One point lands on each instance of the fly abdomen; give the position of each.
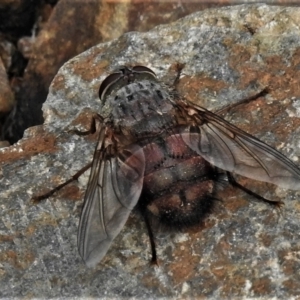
(184, 204)
(178, 184)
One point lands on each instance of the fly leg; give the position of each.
(151, 238)
(223, 111)
(234, 183)
(95, 122)
(38, 198)
(94, 127)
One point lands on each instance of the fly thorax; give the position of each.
(141, 107)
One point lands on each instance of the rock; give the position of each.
(25, 46)
(245, 56)
(71, 29)
(7, 50)
(6, 96)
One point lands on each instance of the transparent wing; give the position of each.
(113, 190)
(233, 150)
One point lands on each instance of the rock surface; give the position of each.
(6, 95)
(245, 56)
(70, 28)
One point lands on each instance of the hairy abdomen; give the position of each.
(178, 184)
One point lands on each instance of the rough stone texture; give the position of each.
(6, 95)
(73, 27)
(244, 56)
(7, 50)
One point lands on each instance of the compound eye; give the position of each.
(108, 82)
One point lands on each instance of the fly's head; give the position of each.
(134, 99)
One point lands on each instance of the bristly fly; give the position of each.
(164, 155)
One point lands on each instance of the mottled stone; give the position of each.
(72, 28)
(7, 99)
(244, 56)
(7, 50)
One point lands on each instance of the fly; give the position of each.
(158, 152)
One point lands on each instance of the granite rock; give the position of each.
(70, 28)
(243, 60)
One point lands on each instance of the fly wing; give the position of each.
(231, 149)
(114, 188)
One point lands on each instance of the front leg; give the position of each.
(95, 128)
